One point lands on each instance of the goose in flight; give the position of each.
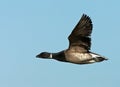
(78, 51)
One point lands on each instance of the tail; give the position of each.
(98, 58)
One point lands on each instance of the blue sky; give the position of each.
(28, 27)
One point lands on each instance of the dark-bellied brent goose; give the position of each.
(78, 51)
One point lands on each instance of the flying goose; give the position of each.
(78, 51)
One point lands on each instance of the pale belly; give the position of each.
(84, 58)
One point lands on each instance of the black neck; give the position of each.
(60, 56)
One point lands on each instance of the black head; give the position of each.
(43, 55)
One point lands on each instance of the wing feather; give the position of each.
(80, 36)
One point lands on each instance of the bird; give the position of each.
(78, 51)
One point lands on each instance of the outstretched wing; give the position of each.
(80, 36)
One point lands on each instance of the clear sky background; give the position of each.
(28, 27)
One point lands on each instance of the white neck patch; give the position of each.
(50, 55)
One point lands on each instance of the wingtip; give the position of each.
(85, 15)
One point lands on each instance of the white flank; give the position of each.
(92, 61)
(94, 55)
